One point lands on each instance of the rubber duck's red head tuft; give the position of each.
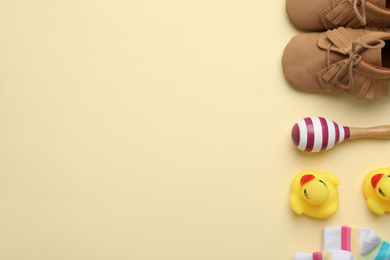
(375, 179)
(306, 178)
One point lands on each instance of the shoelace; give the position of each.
(353, 60)
(361, 15)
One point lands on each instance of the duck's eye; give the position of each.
(388, 175)
(323, 183)
(307, 196)
(381, 192)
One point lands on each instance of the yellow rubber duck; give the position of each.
(314, 193)
(376, 188)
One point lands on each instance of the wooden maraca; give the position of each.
(315, 134)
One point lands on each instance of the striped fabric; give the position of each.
(327, 255)
(314, 134)
(317, 256)
(363, 243)
(384, 252)
(346, 238)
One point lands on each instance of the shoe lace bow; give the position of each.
(353, 60)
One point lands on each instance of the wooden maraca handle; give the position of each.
(380, 132)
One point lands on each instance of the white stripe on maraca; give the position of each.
(302, 134)
(331, 134)
(317, 134)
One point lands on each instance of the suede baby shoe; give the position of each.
(319, 15)
(340, 60)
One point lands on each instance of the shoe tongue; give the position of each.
(381, 3)
(373, 56)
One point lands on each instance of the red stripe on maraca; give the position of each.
(310, 134)
(347, 133)
(325, 133)
(295, 134)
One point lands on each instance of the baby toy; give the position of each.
(376, 188)
(315, 194)
(315, 134)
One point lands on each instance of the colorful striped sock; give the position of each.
(329, 255)
(364, 243)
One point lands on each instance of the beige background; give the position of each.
(161, 130)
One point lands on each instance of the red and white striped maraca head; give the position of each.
(315, 134)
